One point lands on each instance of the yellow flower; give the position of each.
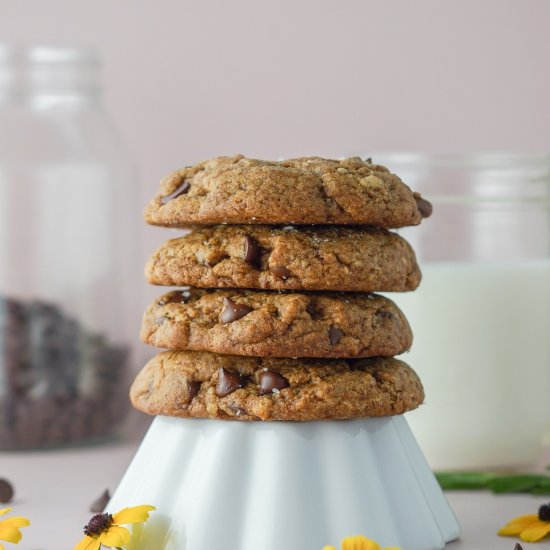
(360, 542)
(529, 528)
(106, 528)
(9, 528)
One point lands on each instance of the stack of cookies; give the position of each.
(279, 320)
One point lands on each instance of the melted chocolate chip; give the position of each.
(423, 205)
(334, 335)
(271, 381)
(228, 382)
(6, 491)
(101, 502)
(233, 311)
(175, 298)
(193, 389)
(252, 251)
(182, 189)
(280, 272)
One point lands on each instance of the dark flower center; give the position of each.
(544, 512)
(98, 524)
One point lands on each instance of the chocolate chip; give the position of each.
(271, 381)
(334, 335)
(193, 389)
(233, 311)
(101, 502)
(181, 189)
(280, 272)
(175, 298)
(228, 382)
(311, 308)
(423, 205)
(385, 314)
(6, 491)
(368, 160)
(518, 546)
(252, 251)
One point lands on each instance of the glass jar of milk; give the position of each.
(481, 317)
(68, 219)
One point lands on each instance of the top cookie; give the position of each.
(301, 191)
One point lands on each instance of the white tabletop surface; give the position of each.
(55, 489)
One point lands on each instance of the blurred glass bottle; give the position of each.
(481, 316)
(67, 252)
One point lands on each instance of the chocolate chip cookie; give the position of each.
(309, 190)
(277, 324)
(288, 258)
(206, 385)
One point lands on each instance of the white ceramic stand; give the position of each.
(227, 485)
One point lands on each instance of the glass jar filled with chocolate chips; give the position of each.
(67, 239)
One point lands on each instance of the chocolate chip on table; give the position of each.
(228, 382)
(101, 502)
(233, 311)
(6, 491)
(280, 272)
(424, 206)
(518, 546)
(271, 381)
(181, 189)
(334, 335)
(252, 251)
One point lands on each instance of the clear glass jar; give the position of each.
(67, 252)
(481, 317)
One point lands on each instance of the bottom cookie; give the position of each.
(207, 385)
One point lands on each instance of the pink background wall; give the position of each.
(189, 80)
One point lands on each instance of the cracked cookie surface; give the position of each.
(277, 324)
(290, 258)
(206, 385)
(308, 190)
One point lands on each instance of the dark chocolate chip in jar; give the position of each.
(181, 189)
(228, 382)
(334, 335)
(252, 251)
(6, 491)
(271, 381)
(193, 389)
(280, 272)
(233, 311)
(425, 207)
(101, 502)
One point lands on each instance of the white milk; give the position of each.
(482, 350)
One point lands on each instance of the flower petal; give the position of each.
(115, 536)
(135, 514)
(15, 521)
(4, 511)
(535, 531)
(329, 548)
(359, 542)
(10, 534)
(1, 547)
(88, 543)
(517, 525)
